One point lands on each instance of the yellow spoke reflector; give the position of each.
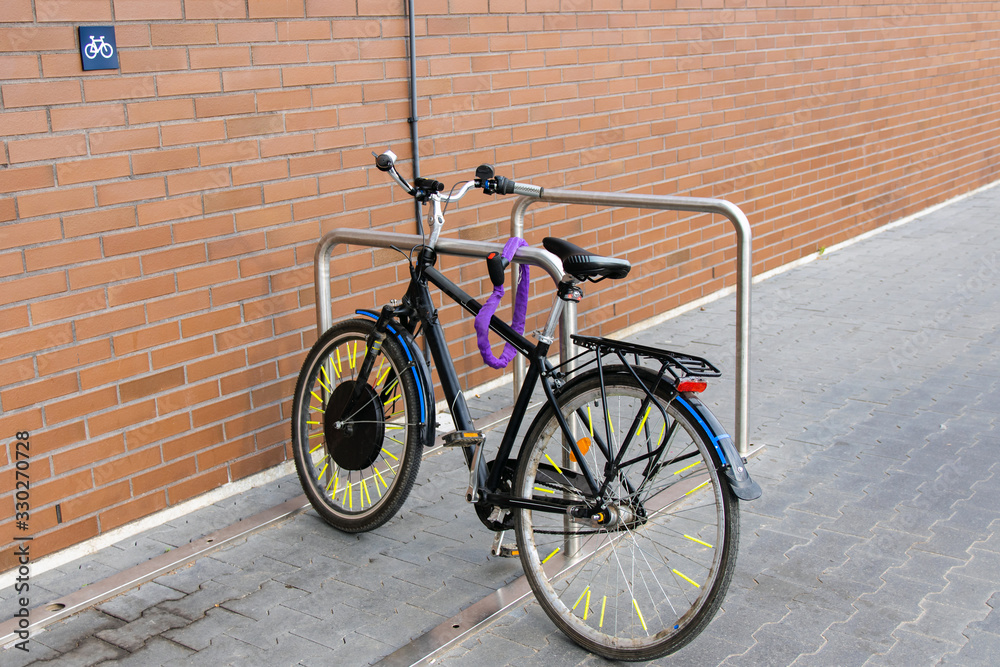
(336, 482)
(333, 477)
(394, 427)
(391, 399)
(586, 605)
(550, 556)
(538, 488)
(338, 367)
(316, 408)
(696, 463)
(603, 602)
(663, 429)
(316, 423)
(641, 619)
(322, 472)
(323, 371)
(585, 591)
(383, 376)
(354, 354)
(316, 435)
(367, 495)
(316, 397)
(696, 488)
(394, 457)
(695, 539)
(379, 475)
(313, 450)
(394, 440)
(553, 464)
(690, 581)
(590, 421)
(322, 384)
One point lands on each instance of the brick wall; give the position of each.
(157, 224)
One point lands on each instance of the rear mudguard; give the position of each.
(732, 465)
(421, 373)
(727, 460)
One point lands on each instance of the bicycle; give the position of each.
(623, 494)
(97, 46)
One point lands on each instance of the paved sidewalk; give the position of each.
(876, 390)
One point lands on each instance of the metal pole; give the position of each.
(744, 268)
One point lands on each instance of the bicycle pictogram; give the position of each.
(98, 45)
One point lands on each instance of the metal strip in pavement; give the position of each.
(423, 649)
(140, 574)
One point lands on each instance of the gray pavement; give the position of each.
(876, 392)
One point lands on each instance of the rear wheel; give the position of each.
(356, 456)
(646, 569)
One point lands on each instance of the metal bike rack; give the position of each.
(744, 277)
(553, 266)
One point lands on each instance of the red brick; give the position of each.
(124, 140)
(241, 33)
(174, 208)
(81, 354)
(92, 169)
(193, 133)
(165, 475)
(79, 405)
(177, 306)
(144, 10)
(18, 67)
(106, 272)
(136, 189)
(47, 148)
(225, 105)
(79, 303)
(225, 453)
(88, 117)
(140, 290)
(257, 463)
(17, 371)
(106, 90)
(100, 221)
(39, 392)
(23, 234)
(165, 160)
(38, 94)
(136, 240)
(182, 352)
(114, 371)
(37, 38)
(116, 420)
(188, 83)
(32, 287)
(197, 485)
(170, 34)
(159, 111)
(186, 397)
(145, 338)
(24, 122)
(59, 201)
(218, 9)
(172, 259)
(194, 181)
(85, 454)
(133, 510)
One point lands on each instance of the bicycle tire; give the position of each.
(646, 587)
(373, 454)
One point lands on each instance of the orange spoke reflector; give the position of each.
(584, 445)
(692, 385)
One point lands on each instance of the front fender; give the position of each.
(421, 374)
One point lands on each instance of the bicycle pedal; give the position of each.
(464, 439)
(508, 552)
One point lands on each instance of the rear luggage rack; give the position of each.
(687, 364)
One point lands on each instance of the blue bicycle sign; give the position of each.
(98, 49)
(98, 46)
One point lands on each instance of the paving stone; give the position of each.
(91, 651)
(157, 651)
(132, 636)
(912, 649)
(130, 605)
(36, 654)
(226, 650)
(983, 648)
(190, 578)
(210, 595)
(65, 635)
(199, 635)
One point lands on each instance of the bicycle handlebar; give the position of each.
(427, 189)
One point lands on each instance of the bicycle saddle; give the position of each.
(584, 265)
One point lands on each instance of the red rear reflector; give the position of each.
(692, 385)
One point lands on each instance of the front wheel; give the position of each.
(646, 569)
(356, 440)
